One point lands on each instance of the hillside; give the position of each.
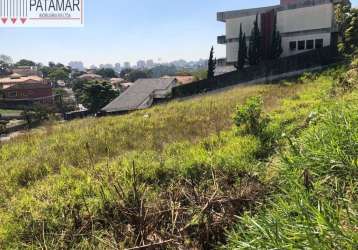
(183, 175)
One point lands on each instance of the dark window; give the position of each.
(12, 94)
(301, 45)
(293, 45)
(319, 43)
(309, 44)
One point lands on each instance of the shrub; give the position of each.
(348, 81)
(36, 114)
(249, 116)
(251, 119)
(307, 77)
(321, 215)
(2, 126)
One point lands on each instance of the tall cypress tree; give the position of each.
(276, 43)
(255, 51)
(242, 51)
(244, 48)
(211, 65)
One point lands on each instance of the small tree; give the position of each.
(25, 62)
(250, 117)
(211, 65)
(58, 74)
(36, 114)
(255, 51)
(106, 73)
(242, 51)
(95, 95)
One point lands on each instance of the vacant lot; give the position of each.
(178, 174)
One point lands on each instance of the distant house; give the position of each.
(120, 84)
(26, 71)
(185, 79)
(90, 77)
(32, 88)
(126, 85)
(61, 83)
(142, 94)
(116, 82)
(182, 79)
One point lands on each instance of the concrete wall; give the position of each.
(232, 34)
(233, 26)
(294, 24)
(309, 18)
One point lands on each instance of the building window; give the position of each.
(309, 44)
(293, 45)
(319, 43)
(301, 45)
(12, 94)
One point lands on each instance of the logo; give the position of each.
(42, 13)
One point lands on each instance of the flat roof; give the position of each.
(225, 15)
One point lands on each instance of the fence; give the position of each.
(76, 114)
(313, 58)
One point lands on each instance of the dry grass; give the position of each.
(59, 185)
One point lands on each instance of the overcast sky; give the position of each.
(129, 30)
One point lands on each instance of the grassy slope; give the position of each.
(10, 112)
(315, 205)
(56, 182)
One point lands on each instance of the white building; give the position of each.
(303, 24)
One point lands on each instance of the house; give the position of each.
(141, 95)
(126, 85)
(116, 82)
(182, 79)
(303, 24)
(90, 77)
(26, 71)
(31, 88)
(185, 79)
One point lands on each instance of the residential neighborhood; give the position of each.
(132, 125)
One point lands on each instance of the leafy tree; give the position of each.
(163, 70)
(106, 73)
(200, 74)
(349, 44)
(137, 74)
(211, 65)
(276, 43)
(4, 68)
(342, 12)
(52, 64)
(25, 62)
(45, 71)
(6, 59)
(255, 51)
(60, 65)
(95, 95)
(124, 72)
(36, 113)
(58, 74)
(242, 52)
